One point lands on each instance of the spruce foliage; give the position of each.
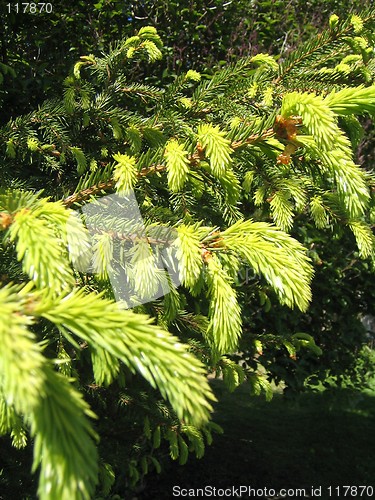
(226, 165)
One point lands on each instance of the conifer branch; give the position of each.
(193, 159)
(106, 186)
(323, 41)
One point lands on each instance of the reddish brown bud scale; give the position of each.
(5, 220)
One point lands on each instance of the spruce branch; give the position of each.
(140, 345)
(274, 254)
(193, 160)
(53, 410)
(329, 143)
(329, 41)
(225, 323)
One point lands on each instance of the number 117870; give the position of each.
(30, 8)
(351, 491)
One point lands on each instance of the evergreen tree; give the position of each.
(127, 214)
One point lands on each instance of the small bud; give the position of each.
(357, 23)
(185, 102)
(343, 68)
(268, 96)
(193, 75)
(130, 52)
(235, 122)
(333, 21)
(10, 151)
(32, 144)
(360, 42)
(252, 91)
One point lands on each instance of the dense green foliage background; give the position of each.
(42, 48)
(38, 52)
